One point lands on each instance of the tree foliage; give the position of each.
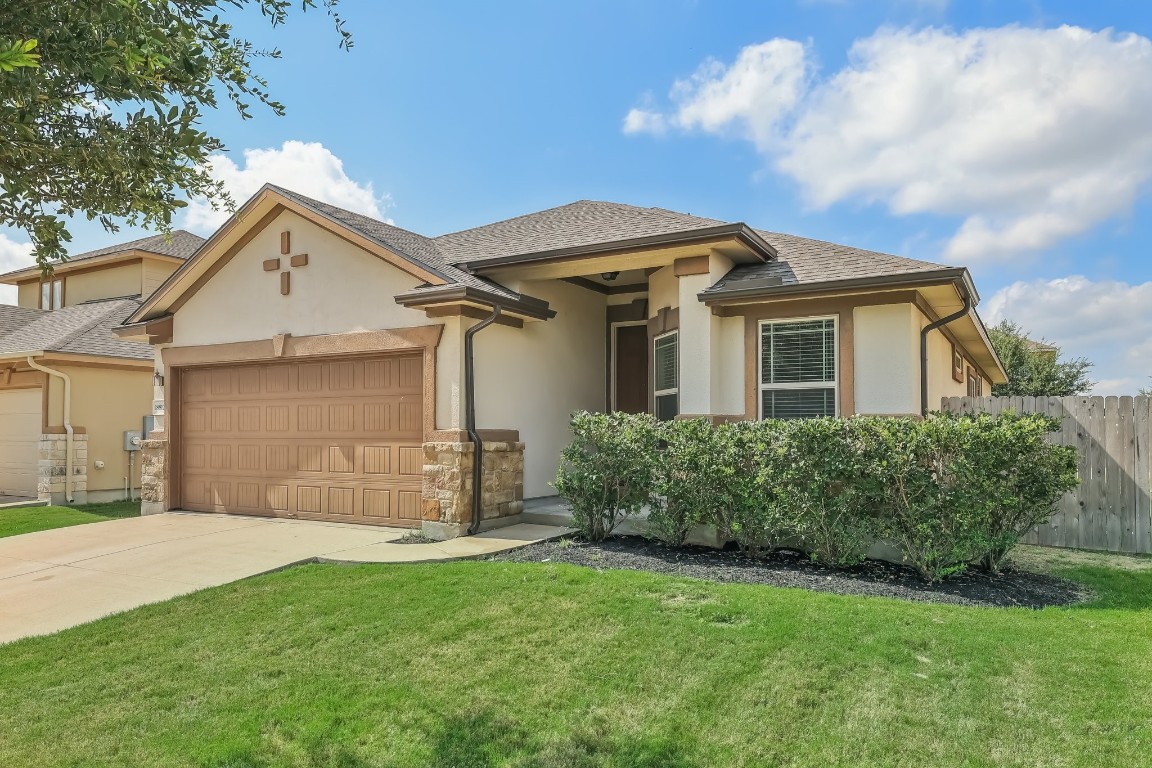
(1035, 369)
(101, 104)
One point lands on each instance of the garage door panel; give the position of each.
(20, 428)
(338, 440)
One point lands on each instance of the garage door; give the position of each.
(333, 440)
(20, 427)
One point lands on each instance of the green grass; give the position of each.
(498, 664)
(30, 519)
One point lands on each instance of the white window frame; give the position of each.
(656, 393)
(835, 384)
(615, 327)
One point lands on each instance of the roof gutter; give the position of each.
(470, 417)
(741, 232)
(69, 453)
(924, 347)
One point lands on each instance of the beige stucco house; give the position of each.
(69, 389)
(316, 364)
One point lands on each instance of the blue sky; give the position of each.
(1011, 137)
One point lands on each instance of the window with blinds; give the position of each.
(666, 376)
(798, 368)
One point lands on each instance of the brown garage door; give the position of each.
(333, 440)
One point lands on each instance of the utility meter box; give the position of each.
(132, 439)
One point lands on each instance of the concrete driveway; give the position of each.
(56, 579)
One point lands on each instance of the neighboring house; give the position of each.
(62, 369)
(315, 360)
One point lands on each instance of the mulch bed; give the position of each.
(788, 568)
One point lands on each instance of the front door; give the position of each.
(631, 367)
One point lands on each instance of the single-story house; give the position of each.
(69, 389)
(317, 362)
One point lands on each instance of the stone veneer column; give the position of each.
(52, 468)
(447, 488)
(153, 476)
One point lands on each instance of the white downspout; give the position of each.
(67, 423)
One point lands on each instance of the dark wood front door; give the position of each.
(631, 368)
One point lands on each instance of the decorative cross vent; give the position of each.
(299, 260)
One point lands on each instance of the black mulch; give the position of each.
(788, 568)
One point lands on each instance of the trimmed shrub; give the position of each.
(927, 510)
(608, 471)
(692, 480)
(1016, 473)
(757, 455)
(948, 490)
(825, 484)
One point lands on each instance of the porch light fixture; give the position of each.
(157, 379)
(609, 276)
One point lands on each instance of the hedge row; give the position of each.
(950, 491)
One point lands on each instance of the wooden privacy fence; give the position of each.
(1110, 510)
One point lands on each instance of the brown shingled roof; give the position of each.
(583, 223)
(81, 329)
(803, 260)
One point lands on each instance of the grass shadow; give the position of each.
(1113, 588)
(484, 739)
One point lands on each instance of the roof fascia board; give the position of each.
(275, 202)
(741, 232)
(525, 305)
(30, 274)
(908, 279)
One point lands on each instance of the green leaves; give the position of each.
(949, 490)
(1034, 368)
(100, 109)
(18, 54)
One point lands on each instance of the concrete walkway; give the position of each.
(56, 579)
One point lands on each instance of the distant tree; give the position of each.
(1145, 391)
(101, 104)
(1035, 368)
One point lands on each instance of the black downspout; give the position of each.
(470, 416)
(924, 349)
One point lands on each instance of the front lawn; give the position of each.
(509, 664)
(14, 521)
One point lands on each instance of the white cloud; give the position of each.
(13, 255)
(1107, 321)
(750, 97)
(308, 168)
(1029, 136)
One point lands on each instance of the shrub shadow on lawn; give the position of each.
(788, 568)
(485, 739)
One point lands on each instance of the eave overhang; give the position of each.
(527, 307)
(742, 233)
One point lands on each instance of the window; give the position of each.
(798, 368)
(666, 376)
(957, 364)
(52, 294)
(975, 383)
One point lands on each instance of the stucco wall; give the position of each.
(940, 381)
(123, 280)
(154, 273)
(728, 375)
(532, 378)
(106, 402)
(663, 290)
(28, 295)
(885, 349)
(341, 289)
